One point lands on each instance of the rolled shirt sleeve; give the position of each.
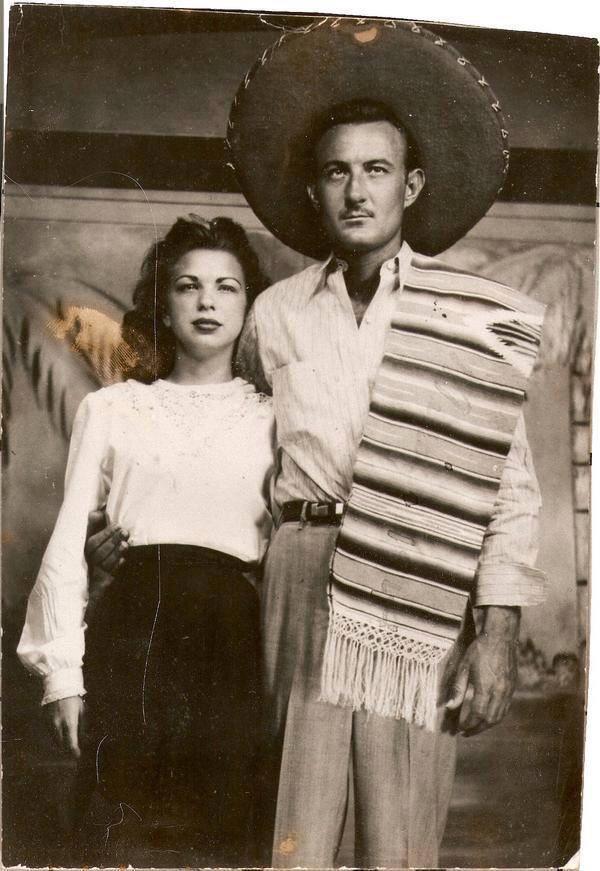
(506, 573)
(52, 641)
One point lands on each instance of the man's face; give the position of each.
(362, 187)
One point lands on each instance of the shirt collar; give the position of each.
(398, 263)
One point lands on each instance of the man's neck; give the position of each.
(362, 274)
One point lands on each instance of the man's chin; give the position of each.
(355, 242)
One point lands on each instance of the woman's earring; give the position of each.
(166, 320)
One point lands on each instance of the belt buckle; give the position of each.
(319, 511)
(325, 512)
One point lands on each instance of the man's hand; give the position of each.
(105, 548)
(487, 673)
(66, 716)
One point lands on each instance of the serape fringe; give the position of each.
(394, 679)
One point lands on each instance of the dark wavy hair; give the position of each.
(143, 329)
(360, 111)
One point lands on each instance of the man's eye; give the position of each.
(334, 172)
(377, 170)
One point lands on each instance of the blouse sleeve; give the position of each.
(52, 641)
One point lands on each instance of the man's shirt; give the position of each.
(301, 343)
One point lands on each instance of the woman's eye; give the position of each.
(181, 288)
(229, 288)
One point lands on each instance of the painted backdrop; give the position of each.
(71, 258)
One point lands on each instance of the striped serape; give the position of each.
(443, 411)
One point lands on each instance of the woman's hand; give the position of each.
(66, 716)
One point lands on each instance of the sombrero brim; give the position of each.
(447, 105)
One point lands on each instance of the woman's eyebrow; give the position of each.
(220, 278)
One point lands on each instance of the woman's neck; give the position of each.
(215, 370)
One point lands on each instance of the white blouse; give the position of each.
(174, 464)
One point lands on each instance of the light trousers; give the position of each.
(403, 774)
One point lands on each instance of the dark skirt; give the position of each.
(172, 703)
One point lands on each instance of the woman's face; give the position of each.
(206, 303)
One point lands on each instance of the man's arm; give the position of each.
(105, 548)
(486, 676)
(507, 579)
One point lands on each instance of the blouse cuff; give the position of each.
(63, 683)
(509, 584)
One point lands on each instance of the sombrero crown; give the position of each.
(435, 92)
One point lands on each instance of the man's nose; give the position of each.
(355, 192)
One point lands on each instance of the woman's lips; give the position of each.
(206, 325)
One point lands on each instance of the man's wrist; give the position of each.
(500, 622)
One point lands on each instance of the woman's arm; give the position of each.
(52, 642)
(66, 716)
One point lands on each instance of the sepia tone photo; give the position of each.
(299, 316)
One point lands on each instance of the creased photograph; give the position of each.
(299, 317)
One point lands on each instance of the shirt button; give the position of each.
(390, 266)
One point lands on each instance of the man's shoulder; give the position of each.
(437, 274)
(290, 292)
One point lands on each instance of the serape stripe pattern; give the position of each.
(443, 411)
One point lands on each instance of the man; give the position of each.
(404, 467)
(393, 137)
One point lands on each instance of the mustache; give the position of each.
(356, 213)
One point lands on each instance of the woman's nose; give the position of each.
(205, 298)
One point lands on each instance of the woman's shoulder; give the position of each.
(118, 394)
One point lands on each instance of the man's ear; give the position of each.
(415, 182)
(311, 190)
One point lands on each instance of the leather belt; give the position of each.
(312, 512)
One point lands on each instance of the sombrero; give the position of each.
(446, 104)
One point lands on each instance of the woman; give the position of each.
(181, 453)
